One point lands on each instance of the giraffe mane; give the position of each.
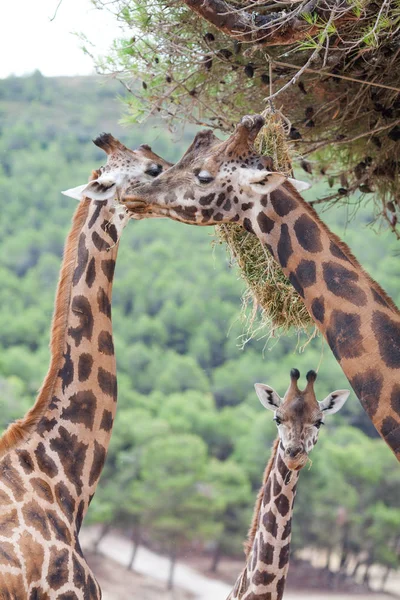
(248, 544)
(20, 430)
(343, 247)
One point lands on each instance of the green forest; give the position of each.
(185, 381)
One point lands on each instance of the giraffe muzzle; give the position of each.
(296, 458)
(136, 204)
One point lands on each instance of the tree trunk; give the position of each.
(105, 528)
(328, 558)
(385, 577)
(170, 584)
(354, 571)
(135, 546)
(366, 573)
(217, 554)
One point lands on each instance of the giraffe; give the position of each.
(228, 182)
(51, 459)
(298, 416)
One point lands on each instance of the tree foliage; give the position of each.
(190, 440)
(332, 68)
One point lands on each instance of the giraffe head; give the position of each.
(214, 182)
(299, 416)
(125, 168)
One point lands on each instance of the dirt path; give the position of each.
(148, 563)
(119, 584)
(152, 565)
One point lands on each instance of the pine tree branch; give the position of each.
(274, 29)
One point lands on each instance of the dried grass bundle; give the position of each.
(268, 289)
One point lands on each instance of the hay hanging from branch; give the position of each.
(280, 307)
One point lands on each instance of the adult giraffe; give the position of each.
(223, 182)
(299, 417)
(51, 460)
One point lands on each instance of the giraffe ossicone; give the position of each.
(51, 459)
(298, 416)
(229, 182)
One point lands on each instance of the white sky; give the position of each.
(29, 40)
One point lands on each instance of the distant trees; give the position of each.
(190, 441)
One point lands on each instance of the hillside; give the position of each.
(183, 380)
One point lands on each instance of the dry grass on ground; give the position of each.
(119, 584)
(304, 580)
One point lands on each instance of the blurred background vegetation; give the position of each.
(184, 381)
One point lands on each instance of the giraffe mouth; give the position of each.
(136, 205)
(297, 463)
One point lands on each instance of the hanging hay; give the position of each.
(268, 289)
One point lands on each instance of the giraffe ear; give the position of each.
(268, 396)
(334, 402)
(76, 193)
(261, 182)
(103, 188)
(300, 186)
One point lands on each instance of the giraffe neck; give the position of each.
(359, 321)
(67, 432)
(264, 575)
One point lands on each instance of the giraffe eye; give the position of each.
(319, 423)
(277, 420)
(154, 170)
(204, 177)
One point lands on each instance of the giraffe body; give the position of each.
(299, 417)
(51, 460)
(227, 182)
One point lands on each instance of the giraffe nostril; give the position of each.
(293, 452)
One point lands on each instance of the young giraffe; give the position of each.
(228, 182)
(51, 460)
(299, 417)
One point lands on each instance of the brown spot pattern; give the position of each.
(284, 249)
(10, 477)
(8, 522)
(104, 303)
(91, 273)
(343, 335)
(282, 203)
(72, 455)
(270, 524)
(44, 461)
(42, 488)
(105, 343)
(387, 332)
(106, 420)
(85, 364)
(30, 547)
(82, 309)
(108, 268)
(59, 528)
(65, 500)
(25, 460)
(395, 398)
(107, 382)
(308, 234)
(58, 568)
(368, 387)
(81, 409)
(342, 282)
(35, 517)
(99, 456)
